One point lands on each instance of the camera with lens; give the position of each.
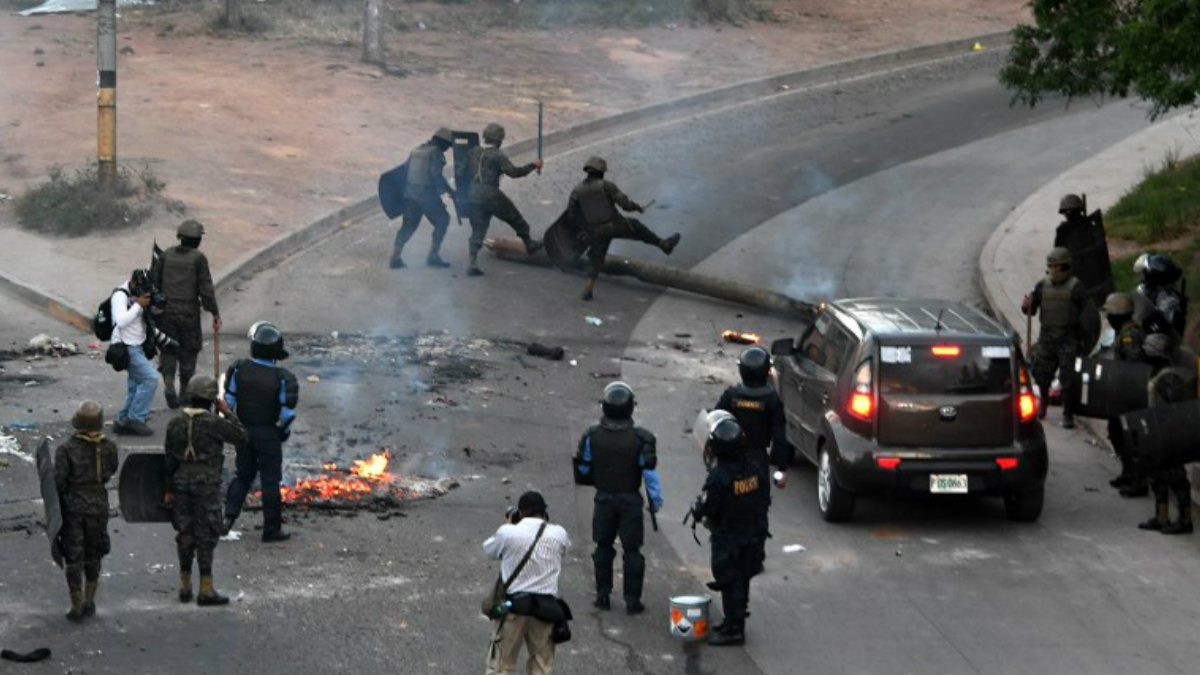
(142, 285)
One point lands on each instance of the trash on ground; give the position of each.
(11, 446)
(52, 346)
(594, 320)
(793, 548)
(546, 352)
(233, 535)
(313, 378)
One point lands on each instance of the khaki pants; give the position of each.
(506, 644)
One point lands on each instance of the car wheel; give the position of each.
(1025, 507)
(836, 504)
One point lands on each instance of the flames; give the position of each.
(740, 337)
(364, 479)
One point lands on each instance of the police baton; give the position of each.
(650, 508)
(217, 355)
(539, 142)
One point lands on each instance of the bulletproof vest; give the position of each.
(593, 201)
(420, 165)
(615, 451)
(179, 274)
(485, 165)
(1057, 309)
(751, 407)
(743, 504)
(1173, 384)
(257, 393)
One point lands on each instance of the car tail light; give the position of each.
(887, 462)
(947, 351)
(1026, 401)
(1007, 463)
(862, 400)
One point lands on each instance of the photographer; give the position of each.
(531, 553)
(131, 327)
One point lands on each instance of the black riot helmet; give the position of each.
(1157, 269)
(753, 365)
(266, 342)
(726, 439)
(618, 401)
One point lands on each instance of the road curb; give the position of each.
(47, 302)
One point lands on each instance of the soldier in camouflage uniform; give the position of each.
(593, 205)
(194, 453)
(486, 165)
(82, 467)
(1174, 381)
(1119, 308)
(182, 274)
(1061, 299)
(423, 191)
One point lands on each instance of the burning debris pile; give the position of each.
(740, 337)
(365, 485)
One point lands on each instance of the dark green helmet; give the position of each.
(444, 134)
(203, 387)
(88, 417)
(1059, 255)
(1070, 203)
(596, 164)
(493, 133)
(193, 229)
(1118, 304)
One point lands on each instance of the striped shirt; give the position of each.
(509, 545)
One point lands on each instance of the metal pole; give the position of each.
(539, 145)
(106, 99)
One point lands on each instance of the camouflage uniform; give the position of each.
(487, 164)
(82, 467)
(184, 277)
(1061, 335)
(194, 446)
(1172, 384)
(423, 190)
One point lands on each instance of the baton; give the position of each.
(650, 508)
(539, 146)
(217, 355)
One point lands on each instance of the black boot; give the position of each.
(89, 598)
(667, 245)
(602, 602)
(1068, 421)
(734, 633)
(532, 246)
(209, 597)
(1184, 524)
(434, 259)
(1160, 520)
(172, 399)
(396, 263)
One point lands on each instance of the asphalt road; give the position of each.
(882, 185)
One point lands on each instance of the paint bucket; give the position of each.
(689, 617)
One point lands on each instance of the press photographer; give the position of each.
(134, 343)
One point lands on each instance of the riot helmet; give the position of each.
(753, 365)
(1156, 269)
(1119, 309)
(202, 387)
(1070, 203)
(89, 416)
(1058, 263)
(266, 342)
(618, 401)
(493, 133)
(191, 229)
(726, 439)
(443, 138)
(596, 165)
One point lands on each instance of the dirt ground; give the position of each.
(258, 136)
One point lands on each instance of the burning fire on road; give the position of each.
(740, 337)
(366, 484)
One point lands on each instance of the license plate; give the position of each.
(948, 483)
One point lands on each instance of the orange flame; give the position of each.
(741, 337)
(365, 477)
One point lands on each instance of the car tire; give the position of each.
(835, 503)
(1025, 507)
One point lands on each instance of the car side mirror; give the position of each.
(783, 347)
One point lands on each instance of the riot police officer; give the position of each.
(593, 205)
(616, 457)
(263, 395)
(759, 411)
(731, 506)
(486, 165)
(1157, 293)
(1083, 236)
(1127, 346)
(1174, 381)
(423, 190)
(1061, 300)
(182, 275)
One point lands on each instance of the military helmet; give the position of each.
(1118, 303)
(596, 164)
(1059, 255)
(618, 401)
(726, 439)
(1070, 203)
(202, 386)
(1157, 269)
(1158, 346)
(89, 416)
(493, 133)
(753, 365)
(266, 342)
(444, 134)
(190, 228)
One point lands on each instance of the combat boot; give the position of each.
(89, 598)
(602, 602)
(396, 263)
(734, 633)
(532, 245)
(1161, 519)
(667, 245)
(1068, 421)
(1184, 524)
(434, 259)
(185, 586)
(172, 399)
(587, 288)
(473, 266)
(76, 612)
(209, 597)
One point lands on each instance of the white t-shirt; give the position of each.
(128, 326)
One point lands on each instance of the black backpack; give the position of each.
(102, 322)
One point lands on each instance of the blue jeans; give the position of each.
(142, 383)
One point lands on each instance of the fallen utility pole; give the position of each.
(106, 97)
(509, 248)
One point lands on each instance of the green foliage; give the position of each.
(252, 23)
(1099, 48)
(1164, 205)
(79, 203)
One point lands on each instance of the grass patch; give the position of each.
(75, 204)
(1164, 205)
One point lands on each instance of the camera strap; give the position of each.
(525, 558)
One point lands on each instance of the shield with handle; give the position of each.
(142, 487)
(563, 244)
(49, 489)
(391, 190)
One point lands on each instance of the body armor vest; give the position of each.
(179, 275)
(486, 165)
(257, 393)
(1057, 309)
(420, 162)
(615, 453)
(753, 413)
(744, 503)
(593, 201)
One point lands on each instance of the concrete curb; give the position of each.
(290, 244)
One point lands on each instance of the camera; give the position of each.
(142, 285)
(513, 515)
(161, 341)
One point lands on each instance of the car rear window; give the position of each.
(916, 369)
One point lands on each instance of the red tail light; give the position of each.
(1026, 401)
(862, 400)
(947, 351)
(887, 462)
(1007, 463)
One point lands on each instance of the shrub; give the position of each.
(79, 203)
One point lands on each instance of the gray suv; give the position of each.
(927, 396)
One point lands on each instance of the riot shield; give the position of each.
(391, 190)
(1090, 326)
(563, 245)
(464, 143)
(1105, 389)
(1089, 254)
(54, 518)
(1164, 436)
(142, 487)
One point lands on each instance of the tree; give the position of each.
(1100, 48)
(372, 41)
(233, 14)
